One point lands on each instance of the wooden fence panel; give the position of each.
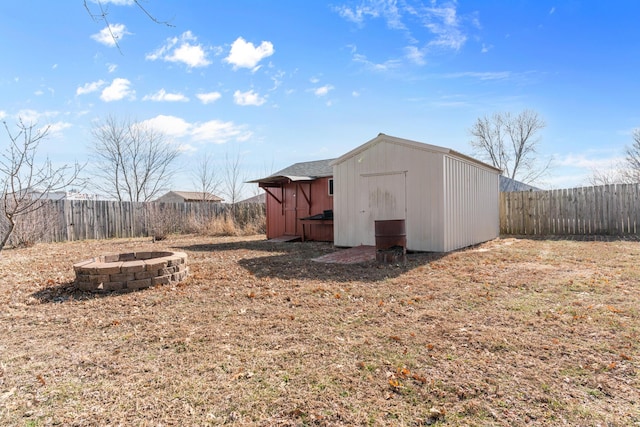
(89, 219)
(608, 209)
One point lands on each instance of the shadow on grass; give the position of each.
(294, 261)
(65, 292)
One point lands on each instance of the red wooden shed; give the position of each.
(300, 201)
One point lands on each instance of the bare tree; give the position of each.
(631, 174)
(626, 171)
(612, 175)
(510, 143)
(24, 183)
(133, 160)
(206, 178)
(233, 182)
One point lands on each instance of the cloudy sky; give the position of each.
(279, 82)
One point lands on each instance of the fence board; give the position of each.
(608, 209)
(90, 219)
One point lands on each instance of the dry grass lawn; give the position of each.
(511, 332)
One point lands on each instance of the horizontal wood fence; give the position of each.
(62, 220)
(601, 210)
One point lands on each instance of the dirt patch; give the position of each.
(511, 332)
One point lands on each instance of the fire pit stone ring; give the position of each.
(130, 271)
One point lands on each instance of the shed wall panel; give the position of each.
(378, 172)
(471, 199)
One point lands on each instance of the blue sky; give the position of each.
(279, 82)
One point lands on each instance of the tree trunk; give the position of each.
(5, 238)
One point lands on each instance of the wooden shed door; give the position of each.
(290, 217)
(383, 196)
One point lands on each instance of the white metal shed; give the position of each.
(447, 199)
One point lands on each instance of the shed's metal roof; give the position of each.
(303, 171)
(409, 143)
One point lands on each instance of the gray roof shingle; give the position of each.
(303, 171)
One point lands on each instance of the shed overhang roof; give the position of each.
(298, 172)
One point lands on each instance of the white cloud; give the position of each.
(170, 125)
(117, 90)
(415, 55)
(444, 24)
(111, 35)
(29, 116)
(219, 132)
(358, 14)
(3, 114)
(183, 49)
(90, 87)
(208, 98)
(112, 67)
(377, 67)
(248, 98)
(162, 95)
(244, 54)
(56, 128)
(323, 90)
(214, 131)
(445, 27)
(600, 162)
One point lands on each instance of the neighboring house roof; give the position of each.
(192, 196)
(409, 143)
(259, 198)
(303, 171)
(508, 185)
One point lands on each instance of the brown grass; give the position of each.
(511, 332)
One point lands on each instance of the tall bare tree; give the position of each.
(510, 142)
(134, 162)
(233, 182)
(206, 178)
(24, 184)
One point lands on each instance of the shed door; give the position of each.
(290, 216)
(383, 196)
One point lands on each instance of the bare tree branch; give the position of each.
(626, 171)
(23, 184)
(510, 143)
(232, 180)
(103, 13)
(134, 161)
(205, 177)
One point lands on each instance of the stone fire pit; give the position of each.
(130, 271)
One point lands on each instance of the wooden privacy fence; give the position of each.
(602, 210)
(89, 219)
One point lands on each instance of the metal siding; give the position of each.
(425, 211)
(471, 204)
